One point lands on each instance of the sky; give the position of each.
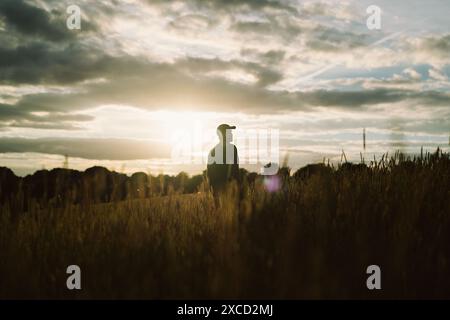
(143, 84)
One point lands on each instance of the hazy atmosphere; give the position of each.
(141, 77)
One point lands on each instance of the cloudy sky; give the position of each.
(142, 78)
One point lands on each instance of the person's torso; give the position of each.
(222, 163)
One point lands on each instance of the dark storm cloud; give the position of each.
(141, 83)
(234, 4)
(38, 48)
(269, 58)
(33, 21)
(157, 86)
(15, 116)
(197, 66)
(268, 77)
(433, 126)
(324, 38)
(417, 125)
(97, 149)
(255, 4)
(281, 29)
(254, 27)
(282, 24)
(9, 112)
(351, 99)
(191, 22)
(434, 98)
(38, 63)
(273, 56)
(45, 125)
(438, 45)
(277, 22)
(318, 38)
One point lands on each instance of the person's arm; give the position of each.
(209, 165)
(210, 158)
(235, 166)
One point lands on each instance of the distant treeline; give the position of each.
(97, 184)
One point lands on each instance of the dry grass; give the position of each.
(312, 239)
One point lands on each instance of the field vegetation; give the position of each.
(312, 237)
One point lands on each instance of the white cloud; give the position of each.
(437, 75)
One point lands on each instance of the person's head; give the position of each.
(224, 132)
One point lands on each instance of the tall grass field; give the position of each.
(310, 238)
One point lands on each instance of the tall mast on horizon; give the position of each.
(364, 139)
(66, 162)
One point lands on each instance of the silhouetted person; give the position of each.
(223, 161)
